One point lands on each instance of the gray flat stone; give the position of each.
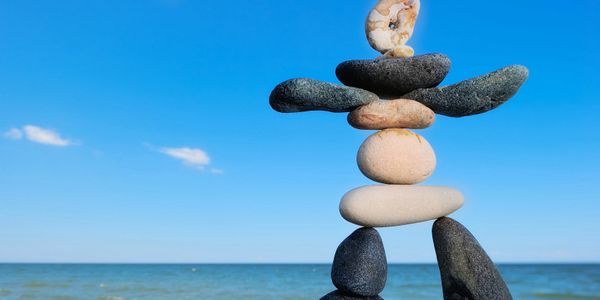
(467, 271)
(304, 94)
(360, 265)
(393, 77)
(473, 96)
(337, 295)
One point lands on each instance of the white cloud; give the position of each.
(192, 157)
(189, 156)
(38, 135)
(45, 136)
(14, 134)
(216, 171)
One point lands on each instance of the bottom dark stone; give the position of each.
(360, 266)
(337, 295)
(467, 271)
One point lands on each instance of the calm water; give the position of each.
(227, 282)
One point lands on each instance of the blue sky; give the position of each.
(102, 103)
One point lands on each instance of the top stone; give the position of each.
(304, 94)
(390, 25)
(391, 78)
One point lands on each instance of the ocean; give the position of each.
(277, 281)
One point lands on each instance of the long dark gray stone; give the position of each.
(473, 96)
(467, 271)
(360, 265)
(337, 295)
(304, 94)
(393, 77)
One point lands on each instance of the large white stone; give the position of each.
(396, 156)
(395, 205)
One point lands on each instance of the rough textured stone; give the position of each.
(467, 271)
(396, 156)
(383, 114)
(473, 96)
(393, 77)
(390, 25)
(337, 295)
(304, 94)
(360, 265)
(395, 205)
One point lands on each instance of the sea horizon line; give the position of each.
(282, 263)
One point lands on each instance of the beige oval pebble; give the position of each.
(396, 156)
(395, 205)
(400, 113)
(390, 25)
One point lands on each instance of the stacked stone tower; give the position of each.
(392, 94)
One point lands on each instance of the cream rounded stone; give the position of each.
(399, 113)
(396, 156)
(390, 25)
(395, 205)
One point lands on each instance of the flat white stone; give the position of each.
(395, 205)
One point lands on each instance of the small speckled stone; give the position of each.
(304, 94)
(467, 271)
(360, 265)
(337, 295)
(473, 96)
(391, 78)
(396, 205)
(396, 156)
(390, 25)
(383, 114)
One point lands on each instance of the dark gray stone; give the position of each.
(360, 265)
(473, 96)
(304, 94)
(467, 271)
(337, 295)
(393, 77)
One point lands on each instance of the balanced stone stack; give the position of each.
(393, 94)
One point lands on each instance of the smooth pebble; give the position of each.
(396, 156)
(383, 114)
